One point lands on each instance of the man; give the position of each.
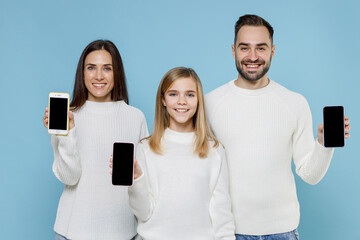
(263, 126)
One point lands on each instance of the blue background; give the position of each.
(317, 55)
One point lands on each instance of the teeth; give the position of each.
(98, 85)
(252, 66)
(181, 110)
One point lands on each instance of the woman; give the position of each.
(90, 207)
(181, 189)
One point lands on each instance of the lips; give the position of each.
(181, 110)
(99, 85)
(252, 65)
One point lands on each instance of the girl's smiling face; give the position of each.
(181, 102)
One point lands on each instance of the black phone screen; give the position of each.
(58, 113)
(334, 126)
(123, 164)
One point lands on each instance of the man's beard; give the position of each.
(257, 76)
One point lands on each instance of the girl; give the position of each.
(181, 189)
(90, 207)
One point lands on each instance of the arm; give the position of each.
(220, 204)
(141, 199)
(311, 158)
(67, 165)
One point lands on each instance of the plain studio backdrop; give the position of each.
(317, 54)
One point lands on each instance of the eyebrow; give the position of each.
(173, 90)
(92, 64)
(258, 44)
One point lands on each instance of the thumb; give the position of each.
(320, 128)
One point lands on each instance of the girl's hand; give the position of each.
(46, 119)
(137, 169)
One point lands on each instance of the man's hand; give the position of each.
(321, 131)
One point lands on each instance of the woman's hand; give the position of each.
(46, 119)
(137, 169)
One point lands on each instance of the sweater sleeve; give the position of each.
(67, 165)
(143, 128)
(311, 159)
(141, 199)
(220, 204)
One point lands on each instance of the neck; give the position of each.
(243, 83)
(182, 127)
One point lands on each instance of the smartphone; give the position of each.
(123, 163)
(334, 126)
(58, 113)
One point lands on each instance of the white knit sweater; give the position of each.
(181, 196)
(262, 130)
(90, 206)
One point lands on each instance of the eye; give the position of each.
(243, 48)
(90, 68)
(191, 95)
(107, 69)
(261, 49)
(172, 94)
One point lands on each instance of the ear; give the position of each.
(233, 50)
(272, 51)
(163, 102)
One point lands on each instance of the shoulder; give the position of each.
(132, 111)
(143, 146)
(291, 98)
(218, 93)
(218, 150)
(215, 98)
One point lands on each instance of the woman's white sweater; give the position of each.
(90, 206)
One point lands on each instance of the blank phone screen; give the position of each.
(58, 113)
(123, 164)
(334, 126)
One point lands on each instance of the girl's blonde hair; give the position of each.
(202, 130)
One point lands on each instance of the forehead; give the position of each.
(99, 56)
(183, 84)
(253, 35)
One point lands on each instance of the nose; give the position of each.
(99, 75)
(253, 55)
(182, 100)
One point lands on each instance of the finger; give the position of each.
(111, 160)
(347, 128)
(71, 115)
(110, 165)
(347, 135)
(320, 127)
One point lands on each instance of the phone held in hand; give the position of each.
(334, 126)
(123, 163)
(58, 113)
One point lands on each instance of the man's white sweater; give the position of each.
(91, 208)
(262, 130)
(181, 196)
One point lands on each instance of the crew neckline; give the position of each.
(253, 92)
(102, 107)
(180, 137)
